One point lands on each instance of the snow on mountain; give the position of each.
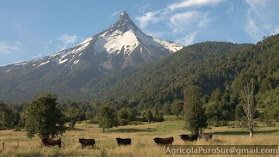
(75, 70)
(125, 35)
(120, 46)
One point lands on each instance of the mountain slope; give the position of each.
(122, 45)
(210, 65)
(168, 76)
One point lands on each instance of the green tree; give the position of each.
(132, 113)
(268, 84)
(126, 115)
(195, 118)
(8, 117)
(148, 116)
(216, 95)
(89, 114)
(43, 118)
(212, 113)
(73, 115)
(166, 109)
(177, 107)
(122, 116)
(239, 112)
(107, 117)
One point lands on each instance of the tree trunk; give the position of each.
(200, 130)
(103, 130)
(249, 105)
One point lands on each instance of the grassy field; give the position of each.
(17, 144)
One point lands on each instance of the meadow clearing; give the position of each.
(17, 144)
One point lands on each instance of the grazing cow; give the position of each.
(50, 142)
(87, 142)
(190, 137)
(163, 141)
(206, 136)
(123, 141)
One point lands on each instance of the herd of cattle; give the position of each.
(127, 141)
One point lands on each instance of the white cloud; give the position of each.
(253, 30)
(156, 34)
(8, 47)
(262, 18)
(261, 10)
(115, 13)
(188, 40)
(230, 9)
(18, 43)
(193, 3)
(180, 19)
(188, 21)
(67, 40)
(143, 6)
(149, 17)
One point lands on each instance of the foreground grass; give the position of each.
(17, 144)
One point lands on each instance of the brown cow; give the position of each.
(189, 137)
(123, 141)
(51, 142)
(163, 141)
(87, 142)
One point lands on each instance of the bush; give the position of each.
(124, 121)
(93, 121)
(17, 128)
(135, 123)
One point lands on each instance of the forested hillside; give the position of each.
(164, 80)
(220, 69)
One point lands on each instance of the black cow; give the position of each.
(205, 136)
(50, 142)
(87, 142)
(190, 137)
(163, 141)
(123, 141)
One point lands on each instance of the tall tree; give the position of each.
(107, 117)
(149, 116)
(247, 95)
(194, 115)
(43, 117)
(73, 115)
(177, 107)
(8, 117)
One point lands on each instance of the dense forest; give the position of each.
(150, 91)
(220, 69)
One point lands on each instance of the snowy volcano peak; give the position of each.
(124, 18)
(122, 45)
(123, 25)
(123, 37)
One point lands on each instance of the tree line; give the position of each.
(44, 118)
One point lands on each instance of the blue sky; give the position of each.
(32, 29)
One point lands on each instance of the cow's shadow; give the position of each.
(245, 132)
(130, 130)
